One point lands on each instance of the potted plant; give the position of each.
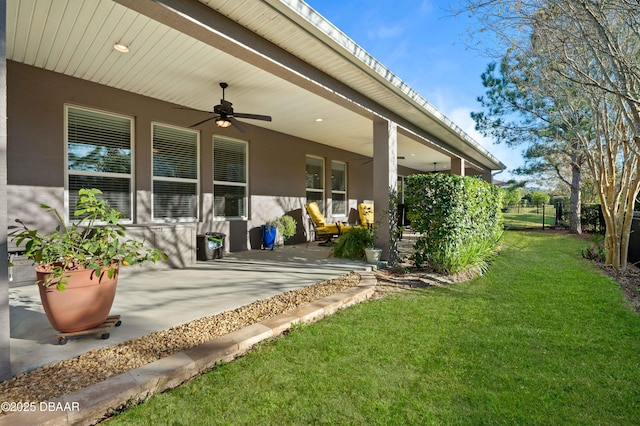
(284, 225)
(269, 232)
(372, 255)
(287, 227)
(355, 243)
(77, 265)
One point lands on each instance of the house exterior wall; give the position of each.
(5, 327)
(35, 162)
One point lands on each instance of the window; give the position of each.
(315, 180)
(229, 178)
(175, 173)
(99, 155)
(338, 188)
(400, 189)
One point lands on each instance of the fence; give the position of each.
(530, 216)
(547, 216)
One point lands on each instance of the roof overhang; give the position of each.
(280, 58)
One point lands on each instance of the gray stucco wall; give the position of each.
(5, 327)
(35, 158)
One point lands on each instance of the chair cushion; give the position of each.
(331, 229)
(365, 211)
(316, 215)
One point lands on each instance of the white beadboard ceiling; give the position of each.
(76, 38)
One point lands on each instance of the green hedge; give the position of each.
(459, 219)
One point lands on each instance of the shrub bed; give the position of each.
(459, 219)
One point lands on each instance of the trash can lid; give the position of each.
(215, 234)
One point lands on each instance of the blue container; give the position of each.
(268, 234)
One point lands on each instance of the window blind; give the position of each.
(315, 180)
(229, 177)
(99, 155)
(175, 153)
(339, 188)
(175, 173)
(98, 142)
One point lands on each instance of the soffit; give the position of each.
(76, 38)
(296, 27)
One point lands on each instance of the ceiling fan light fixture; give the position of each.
(121, 47)
(223, 122)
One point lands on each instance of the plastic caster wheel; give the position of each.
(105, 336)
(118, 324)
(62, 341)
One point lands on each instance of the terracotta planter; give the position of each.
(84, 304)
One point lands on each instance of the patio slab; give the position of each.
(154, 300)
(94, 403)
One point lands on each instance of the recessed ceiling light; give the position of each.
(319, 120)
(121, 47)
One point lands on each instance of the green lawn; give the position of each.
(529, 217)
(542, 339)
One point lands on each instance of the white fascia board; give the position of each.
(323, 29)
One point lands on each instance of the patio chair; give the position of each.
(323, 230)
(365, 211)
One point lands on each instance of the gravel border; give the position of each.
(53, 381)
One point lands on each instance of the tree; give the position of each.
(512, 196)
(516, 113)
(594, 47)
(589, 52)
(538, 197)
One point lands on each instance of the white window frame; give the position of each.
(174, 179)
(227, 183)
(400, 188)
(323, 180)
(342, 192)
(67, 172)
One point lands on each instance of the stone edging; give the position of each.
(94, 403)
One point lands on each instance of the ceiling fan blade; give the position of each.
(252, 116)
(203, 121)
(238, 124)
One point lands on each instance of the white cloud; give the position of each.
(385, 32)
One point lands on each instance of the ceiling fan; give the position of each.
(225, 116)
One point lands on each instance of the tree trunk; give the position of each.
(575, 224)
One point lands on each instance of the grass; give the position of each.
(529, 217)
(543, 338)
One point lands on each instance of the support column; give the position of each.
(5, 326)
(385, 178)
(457, 166)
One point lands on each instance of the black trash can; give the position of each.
(210, 246)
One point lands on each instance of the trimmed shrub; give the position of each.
(459, 219)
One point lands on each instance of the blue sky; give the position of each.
(423, 44)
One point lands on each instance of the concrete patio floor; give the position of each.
(155, 300)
